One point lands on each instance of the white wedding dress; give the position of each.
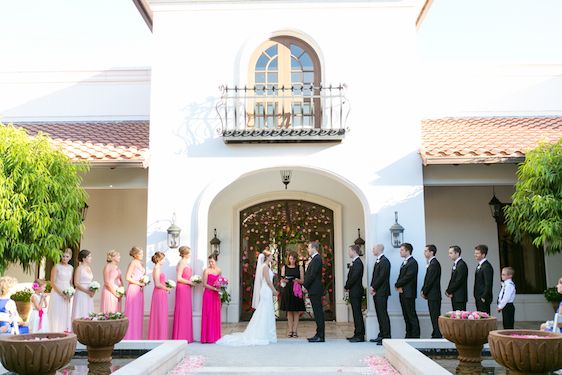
(261, 328)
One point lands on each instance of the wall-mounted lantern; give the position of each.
(359, 241)
(396, 232)
(215, 244)
(286, 177)
(495, 206)
(173, 234)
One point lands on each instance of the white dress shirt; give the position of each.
(507, 293)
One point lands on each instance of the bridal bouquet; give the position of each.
(120, 291)
(145, 280)
(196, 279)
(170, 284)
(69, 292)
(94, 286)
(222, 283)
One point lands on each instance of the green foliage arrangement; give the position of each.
(537, 202)
(552, 295)
(40, 199)
(22, 295)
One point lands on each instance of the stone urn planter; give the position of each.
(468, 335)
(527, 351)
(37, 353)
(100, 334)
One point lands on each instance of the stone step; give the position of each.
(293, 370)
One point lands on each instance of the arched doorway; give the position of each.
(287, 225)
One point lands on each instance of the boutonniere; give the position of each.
(454, 268)
(404, 262)
(427, 265)
(478, 268)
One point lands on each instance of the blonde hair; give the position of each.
(509, 270)
(560, 280)
(6, 283)
(266, 252)
(135, 251)
(110, 255)
(158, 256)
(184, 250)
(68, 250)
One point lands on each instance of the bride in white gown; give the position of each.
(261, 328)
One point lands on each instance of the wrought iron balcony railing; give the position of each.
(268, 113)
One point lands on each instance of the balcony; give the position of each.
(271, 114)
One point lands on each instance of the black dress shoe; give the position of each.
(357, 339)
(350, 338)
(377, 340)
(316, 339)
(312, 338)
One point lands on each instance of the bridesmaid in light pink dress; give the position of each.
(60, 305)
(183, 322)
(83, 303)
(158, 321)
(110, 299)
(134, 302)
(211, 311)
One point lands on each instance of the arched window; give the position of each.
(285, 76)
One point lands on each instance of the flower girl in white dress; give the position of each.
(38, 320)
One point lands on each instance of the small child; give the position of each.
(506, 298)
(38, 320)
(9, 317)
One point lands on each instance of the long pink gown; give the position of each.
(211, 313)
(158, 321)
(110, 303)
(134, 306)
(183, 322)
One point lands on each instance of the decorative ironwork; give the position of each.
(268, 113)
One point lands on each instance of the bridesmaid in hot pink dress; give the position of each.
(183, 322)
(211, 311)
(134, 302)
(110, 299)
(158, 321)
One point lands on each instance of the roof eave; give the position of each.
(443, 160)
(114, 163)
(146, 13)
(423, 12)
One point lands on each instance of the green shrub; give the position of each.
(552, 295)
(22, 295)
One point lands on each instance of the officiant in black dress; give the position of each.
(292, 301)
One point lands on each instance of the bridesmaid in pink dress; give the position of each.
(134, 303)
(83, 303)
(183, 322)
(211, 311)
(60, 304)
(158, 321)
(110, 299)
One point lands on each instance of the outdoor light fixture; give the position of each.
(495, 205)
(396, 232)
(84, 211)
(215, 244)
(286, 177)
(173, 234)
(359, 241)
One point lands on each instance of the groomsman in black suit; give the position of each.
(457, 290)
(354, 286)
(407, 285)
(313, 285)
(431, 289)
(483, 279)
(380, 290)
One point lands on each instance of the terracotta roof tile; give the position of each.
(107, 141)
(455, 140)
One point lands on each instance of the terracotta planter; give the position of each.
(100, 336)
(469, 336)
(24, 355)
(527, 355)
(24, 308)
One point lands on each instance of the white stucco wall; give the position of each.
(461, 216)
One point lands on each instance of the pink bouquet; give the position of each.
(297, 290)
(221, 283)
(467, 315)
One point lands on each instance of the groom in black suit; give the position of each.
(354, 286)
(483, 279)
(313, 285)
(431, 289)
(407, 285)
(380, 290)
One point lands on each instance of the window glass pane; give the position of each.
(262, 62)
(296, 77)
(272, 77)
(295, 64)
(296, 50)
(260, 77)
(308, 77)
(273, 64)
(272, 51)
(306, 61)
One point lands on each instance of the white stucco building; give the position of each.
(347, 110)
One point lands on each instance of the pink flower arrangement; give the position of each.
(379, 365)
(221, 283)
(188, 364)
(467, 315)
(525, 336)
(104, 316)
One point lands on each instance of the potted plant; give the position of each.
(552, 296)
(22, 298)
(37, 353)
(100, 332)
(527, 351)
(468, 330)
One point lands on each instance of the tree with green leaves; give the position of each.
(41, 199)
(536, 209)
